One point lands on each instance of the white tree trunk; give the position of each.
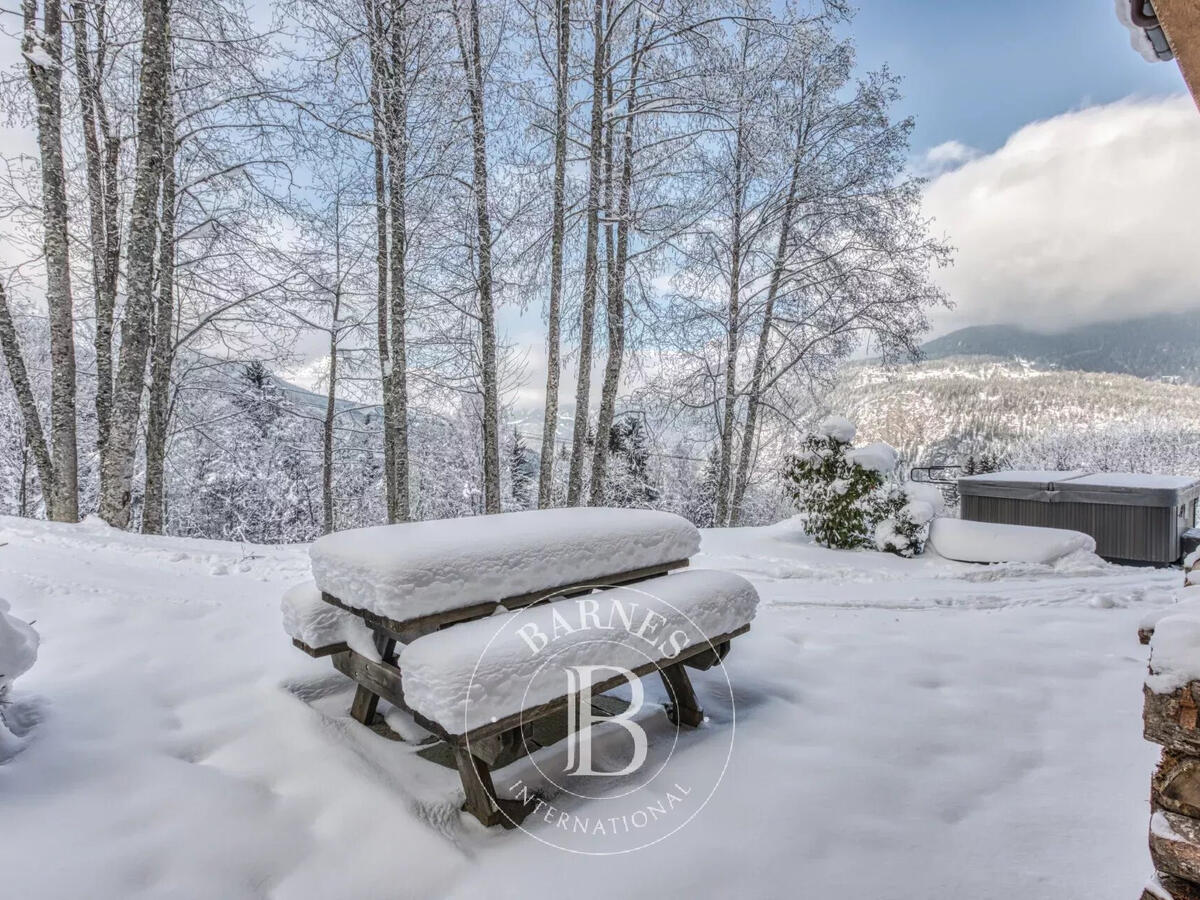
(163, 351)
(558, 227)
(615, 310)
(374, 39)
(35, 438)
(754, 399)
(396, 119)
(472, 59)
(100, 162)
(732, 326)
(43, 55)
(116, 471)
(587, 315)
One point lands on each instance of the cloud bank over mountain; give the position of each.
(1089, 216)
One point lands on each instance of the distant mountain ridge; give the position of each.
(937, 411)
(1164, 347)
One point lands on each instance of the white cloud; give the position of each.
(1089, 216)
(945, 157)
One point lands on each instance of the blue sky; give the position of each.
(977, 70)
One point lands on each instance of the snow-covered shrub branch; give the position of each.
(851, 497)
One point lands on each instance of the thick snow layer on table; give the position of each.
(474, 673)
(1174, 652)
(986, 542)
(18, 647)
(312, 621)
(838, 428)
(921, 714)
(878, 457)
(414, 569)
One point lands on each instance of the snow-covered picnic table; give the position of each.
(474, 604)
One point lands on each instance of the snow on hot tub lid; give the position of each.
(1035, 479)
(1079, 486)
(1131, 488)
(1135, 480)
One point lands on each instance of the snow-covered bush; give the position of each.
(907, 529)
(850, 497)
(18, 649)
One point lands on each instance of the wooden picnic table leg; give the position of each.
(685, 708)
(482, 800)
(366, 702)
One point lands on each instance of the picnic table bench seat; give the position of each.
(407, 610)
(445, 682)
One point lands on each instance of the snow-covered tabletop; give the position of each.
(419, 568)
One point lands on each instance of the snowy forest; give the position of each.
(702, 207)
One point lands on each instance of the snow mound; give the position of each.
(477, 672)
(838, 428)
(419, 568)
(312, 621)
(18, 648)
(1174, 653)
(919, 512)
(878, 457)
(926, 493)
(987, 542)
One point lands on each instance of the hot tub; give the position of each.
(1134, 518)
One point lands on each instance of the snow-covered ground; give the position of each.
(905, 729)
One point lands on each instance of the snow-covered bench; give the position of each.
(478, 606)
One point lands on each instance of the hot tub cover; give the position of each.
(1076, 486)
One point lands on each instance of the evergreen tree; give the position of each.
(845, 504)
(701, 507)
(522, 472)
(629, 483)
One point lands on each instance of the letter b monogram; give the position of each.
(581, 719)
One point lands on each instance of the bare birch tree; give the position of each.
(471, 54)
(163, 350)
(557, 237)
(101, 146)
(43, 52)
(35, 437)
(591, 267)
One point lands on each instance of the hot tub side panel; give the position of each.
(1140, 533)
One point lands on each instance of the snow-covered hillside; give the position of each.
(905, 729)
(936, 410)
